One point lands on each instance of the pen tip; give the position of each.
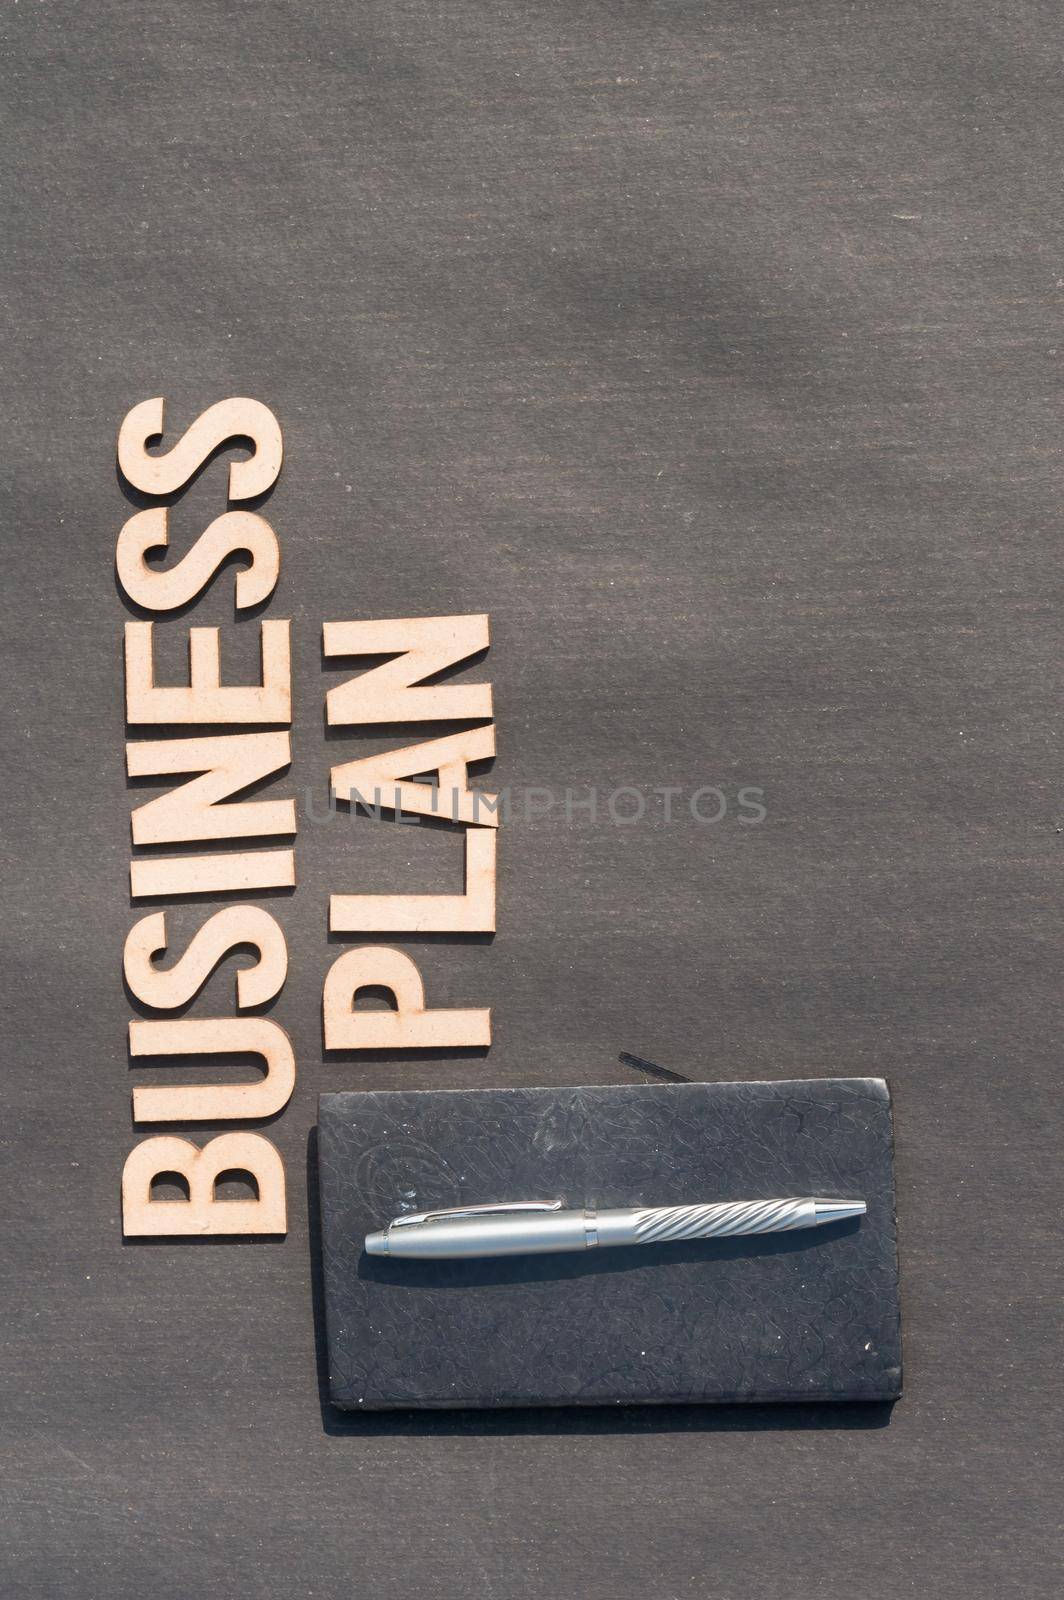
(836, 1210)
(376, 1244)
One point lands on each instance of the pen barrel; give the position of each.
(667, 1224)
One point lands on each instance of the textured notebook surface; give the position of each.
(811, 1315)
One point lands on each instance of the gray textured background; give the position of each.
(714, 350)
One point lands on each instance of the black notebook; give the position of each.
(809, 1315)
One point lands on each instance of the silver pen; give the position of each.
(541, 1227)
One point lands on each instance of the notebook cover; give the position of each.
(811, 1315)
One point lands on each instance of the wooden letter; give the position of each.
(163, 589)
(472, 912)
(226, 931)
(201, 1214)
(410, 1026)
(230, 419)
(423, 646)
(239, 872)
(187, 1036)
(206, 699)
(228, 763)
(374, 779)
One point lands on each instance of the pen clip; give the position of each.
(475, 1211)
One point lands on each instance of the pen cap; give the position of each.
(493, 1234)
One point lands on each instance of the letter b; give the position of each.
(202, 1215)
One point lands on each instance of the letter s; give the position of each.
(167, 988)
(752, 805)
(166, 588)
(237, 418)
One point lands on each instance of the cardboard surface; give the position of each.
(714, 351)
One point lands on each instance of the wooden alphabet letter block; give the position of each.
(237, 872)
(410, 1026)
(234, 419)
(375, 780)
(227, 763)
(422, 646)
(205, 698)
(165, 588)
(222, 1101)
(472, 912)
(226, 931)
(202, 1214)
